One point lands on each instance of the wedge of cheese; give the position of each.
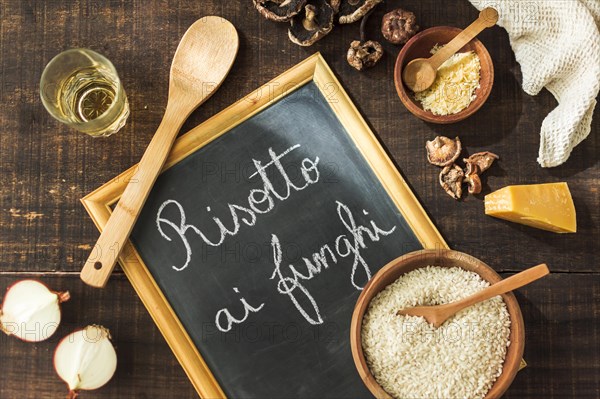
(544, 206)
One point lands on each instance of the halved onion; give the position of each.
(85, 359)
(30, 310)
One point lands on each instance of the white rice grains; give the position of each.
(410, 358)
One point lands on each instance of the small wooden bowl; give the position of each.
(419, 46)
(445, 258)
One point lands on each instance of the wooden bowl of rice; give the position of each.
(420, 46)
(445, 261)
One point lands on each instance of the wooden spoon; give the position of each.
(420, 73)
(437, 315)
(201, 63)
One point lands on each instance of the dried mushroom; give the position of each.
(398, 26)
(312, 24)
(472, 178)
(451, 179)
(353, 10)
(364, 53)
(477, 164)
(483, 160)
(443, 151)
(474, 183)
(279, 10)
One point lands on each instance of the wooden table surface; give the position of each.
(45, 169)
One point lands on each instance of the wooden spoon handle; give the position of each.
(105, 253)
(487, 18)
(508, 284)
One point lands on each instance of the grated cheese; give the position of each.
(455, 84)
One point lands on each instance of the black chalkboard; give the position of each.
(319, 196)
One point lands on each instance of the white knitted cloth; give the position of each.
(557, 44)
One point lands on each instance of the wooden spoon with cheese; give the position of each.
(420, 73)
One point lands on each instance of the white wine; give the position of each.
(85, 95)
(82, 89)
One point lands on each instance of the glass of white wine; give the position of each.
(81, 88)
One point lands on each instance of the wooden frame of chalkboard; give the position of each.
(99, 202)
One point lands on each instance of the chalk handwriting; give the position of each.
(349, 243)
(291, 280)
(260, 201)
(287, 285)
(229, 319)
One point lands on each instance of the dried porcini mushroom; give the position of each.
(398, 26)
(442, 151)
(451, 179)
(364, 53)
(474, 183)
(353, 10)
(312, 24)
(279, 10)
(483, 160)
(477, 164)
(472, 178)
